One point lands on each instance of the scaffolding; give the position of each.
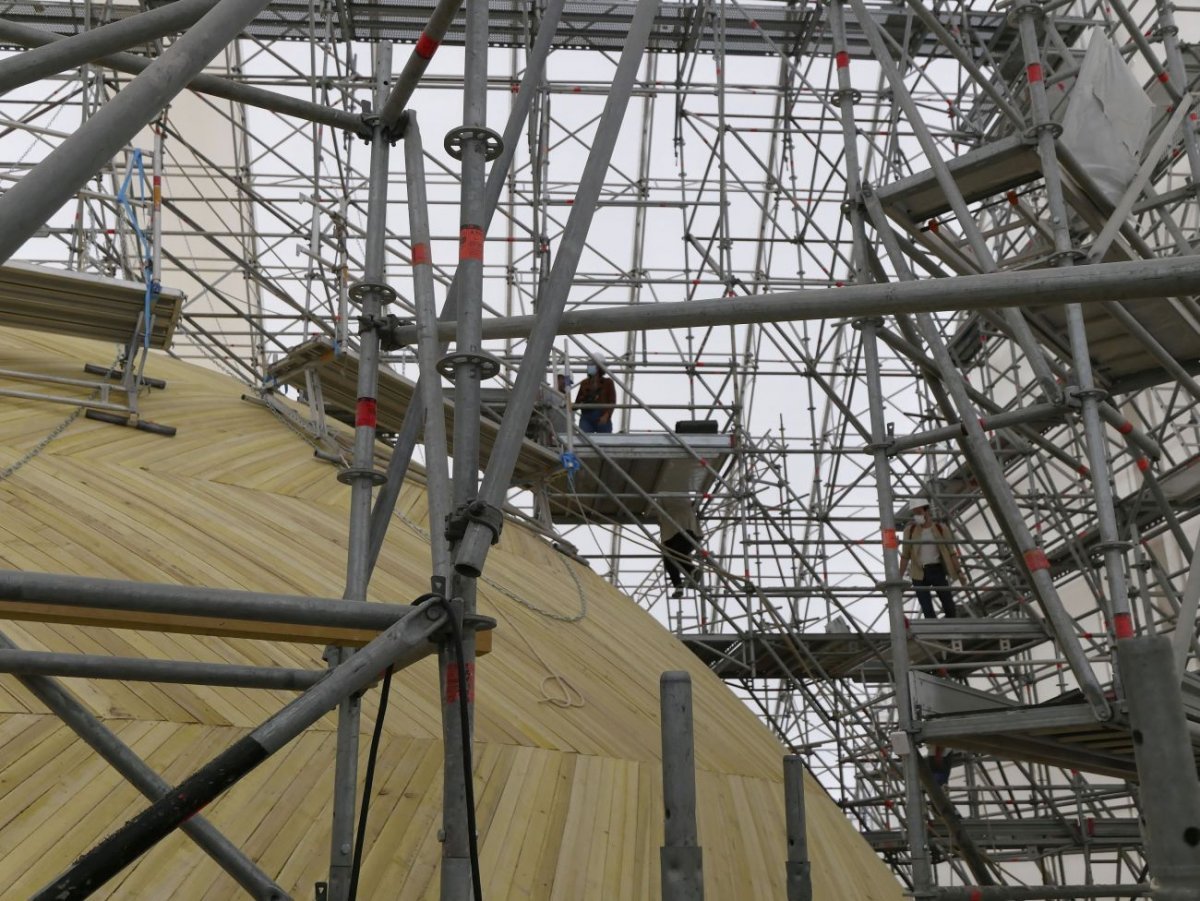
(837, 257)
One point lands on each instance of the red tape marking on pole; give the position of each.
(843, 59)
(426, 46)
(1123, 625)
(1125, 427)
(470, 243)
(1034, 71)
(452, 684)
(1035, 559)
(364, 413)
(889, 539)
(420, 254)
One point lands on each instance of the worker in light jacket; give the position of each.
(929, 559)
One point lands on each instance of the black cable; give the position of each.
(369, 777)
(464, 718)
(360, 838)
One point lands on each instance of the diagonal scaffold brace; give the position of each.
(408, 641)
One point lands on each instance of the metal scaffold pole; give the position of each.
(372, 293)
(893, 584)
(467, 366)
(1085, 390)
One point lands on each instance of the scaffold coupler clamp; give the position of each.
(387, 327)
(396, 132)
(491, 518)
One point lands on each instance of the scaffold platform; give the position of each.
(1020, 834)
(967, 644)
(987, 173)
(1062, 732)
(620, 472)
(83, 305)
(338, 376)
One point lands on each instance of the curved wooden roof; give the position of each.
(568, 784)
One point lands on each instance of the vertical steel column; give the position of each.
(64, 705)
(552, 299)
(799, 869)
(469, 367)
(429, 382)
(371, 293)
(893, 580)
(1013, 318)
(25, 207)
(681, 857)
(410, 428)
(1162, 747)
(1090, 397)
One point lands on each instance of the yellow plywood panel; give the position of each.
(567, 772)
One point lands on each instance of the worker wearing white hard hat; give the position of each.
(929, 559)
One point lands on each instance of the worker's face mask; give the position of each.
(591, 370)
(921, 518)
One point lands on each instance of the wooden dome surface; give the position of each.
(567, 772)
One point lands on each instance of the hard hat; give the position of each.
(598, 359)
(917, 503)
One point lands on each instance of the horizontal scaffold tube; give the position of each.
(1135, 280)
(144, 597)
(140, 669)
(204, 83)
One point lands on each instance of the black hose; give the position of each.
(368, 779)
(464, 718)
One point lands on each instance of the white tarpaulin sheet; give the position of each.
(1108, 118)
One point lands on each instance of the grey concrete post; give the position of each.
(1170, 791)
(682, 866)
(799, 868)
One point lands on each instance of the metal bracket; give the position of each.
(474, 511)
(493, 144)
(386, 327)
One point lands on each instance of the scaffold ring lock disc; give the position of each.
(361, 290)
(349, 475)
(493, 144)
(488, 365)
